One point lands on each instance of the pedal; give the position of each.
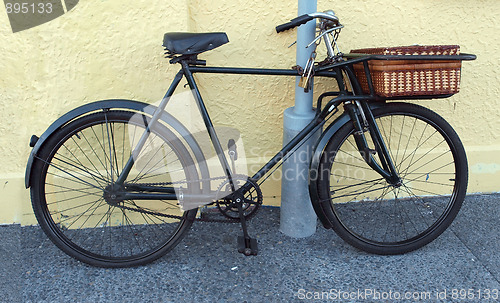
(233, 153)
(232, 149)
(247, 246)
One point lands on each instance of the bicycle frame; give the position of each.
(187, 71)
(356, 104)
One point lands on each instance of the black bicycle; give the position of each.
(118, 183)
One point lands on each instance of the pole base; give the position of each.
(297, 216)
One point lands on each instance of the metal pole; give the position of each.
(297, 217)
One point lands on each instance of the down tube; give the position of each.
(312, 127)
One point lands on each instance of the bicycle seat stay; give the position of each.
(179, 43)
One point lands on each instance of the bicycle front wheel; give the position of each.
(375, 216)
(73, 175)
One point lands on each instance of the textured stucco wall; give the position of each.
(112, 49)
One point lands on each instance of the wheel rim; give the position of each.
(82, 166)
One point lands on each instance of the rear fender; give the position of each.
(118, 104)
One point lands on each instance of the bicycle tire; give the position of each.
(374, 216)
(71, 174)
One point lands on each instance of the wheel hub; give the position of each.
(395, 181)
(113, 194)
(398, 183)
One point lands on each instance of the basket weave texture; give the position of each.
(395, 78)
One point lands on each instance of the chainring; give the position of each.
(252, 198)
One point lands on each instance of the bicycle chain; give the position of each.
(143, 211)
(227, 220)
(179, 182)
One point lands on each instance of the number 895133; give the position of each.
(28, 8)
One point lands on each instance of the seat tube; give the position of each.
(156, 115)
(208, 123)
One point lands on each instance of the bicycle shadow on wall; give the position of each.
(156, 162)
(25, 14)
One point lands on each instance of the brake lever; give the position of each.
(324, 33)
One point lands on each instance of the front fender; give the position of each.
(318, 149)
(117, 104)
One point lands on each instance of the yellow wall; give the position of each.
(112, 49)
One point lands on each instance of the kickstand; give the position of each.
(246, 245)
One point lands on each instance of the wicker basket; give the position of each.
(394, 78)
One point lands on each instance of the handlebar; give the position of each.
(304, 19)
(294, 23)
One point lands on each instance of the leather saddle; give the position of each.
(192, 43)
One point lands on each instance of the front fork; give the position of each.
(363, 120)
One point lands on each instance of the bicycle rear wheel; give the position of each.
(72, 176)
(375, 216)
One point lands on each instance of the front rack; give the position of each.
(404, 76)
